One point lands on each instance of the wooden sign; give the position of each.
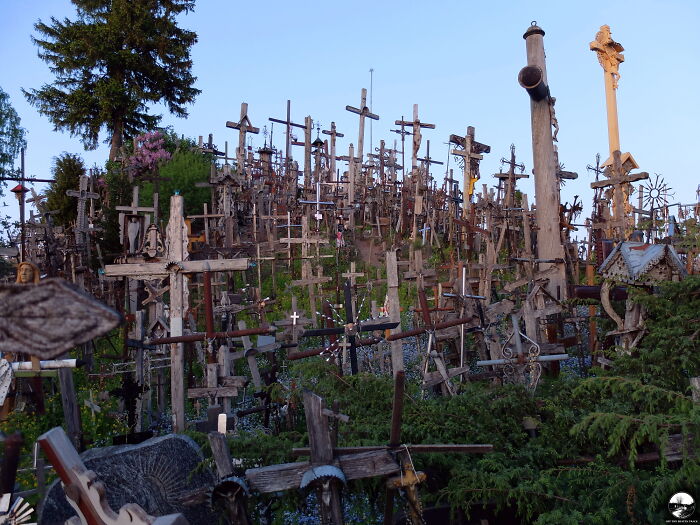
(48, 319)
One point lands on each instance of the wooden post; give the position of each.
(322, 454)
(394, 310)
(177, 251)
(549, 244)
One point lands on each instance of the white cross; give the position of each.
(294, 318)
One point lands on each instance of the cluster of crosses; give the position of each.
(193, 289)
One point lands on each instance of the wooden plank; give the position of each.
(221, 391)
(525, 280)
(159, 269)
(345, 453)
(277, 478)
(632, 177)
(301, 240)
(233, 381)
(221, 454)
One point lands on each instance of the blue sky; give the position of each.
(457, 60)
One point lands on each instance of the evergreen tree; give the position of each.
(67, 169)
(11, 136)
(110, 63)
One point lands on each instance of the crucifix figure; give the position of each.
(243, 126)
(133, 225)
(417, 125)
(471, 154)
(610, 57)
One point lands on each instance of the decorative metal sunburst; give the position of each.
(350, 327)
(656, 192)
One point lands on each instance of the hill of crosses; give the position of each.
(298, 334)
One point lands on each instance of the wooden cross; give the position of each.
(349, 458)
(510, 178)
(206, 216)
(430, 328)
(334, 134)
(403, 134)
(471, 153)
(364, 112)
(243, 126)
(287, 153)
(619, 179)
(417, 125)
(83, 195)
(308, 128)
(133, 211)
(176, 266)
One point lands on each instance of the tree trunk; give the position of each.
(117, 139)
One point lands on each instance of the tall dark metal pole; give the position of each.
(20, 195)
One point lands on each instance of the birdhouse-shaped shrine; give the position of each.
(642, 264)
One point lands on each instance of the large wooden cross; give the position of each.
(364, 112)
(175, 265)
(243, 126)
(471, 153)
(417, 125)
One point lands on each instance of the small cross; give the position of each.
(295, 316)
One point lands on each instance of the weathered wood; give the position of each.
(86, 494)
(221, 454)
(343, 453)
(162, 269)
(212, 392)
(288, 475)
(47, 319)
(545, 164)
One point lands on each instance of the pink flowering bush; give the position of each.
(149, 152)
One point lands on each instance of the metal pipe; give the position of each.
(540, 359)
(46, 365)
(191, 338)
(532, 79)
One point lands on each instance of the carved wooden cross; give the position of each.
(86, 493)
(176, 266)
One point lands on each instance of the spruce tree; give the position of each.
(67, 169)
(110, 63)
(11, 136)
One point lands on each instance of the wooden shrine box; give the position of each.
(643, 264)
